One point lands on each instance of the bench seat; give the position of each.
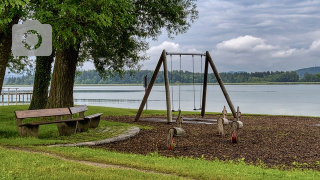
(51, 122)
(94, 120)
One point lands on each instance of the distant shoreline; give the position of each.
(162, 84)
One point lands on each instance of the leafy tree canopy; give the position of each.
(113, 33)
(8, 10)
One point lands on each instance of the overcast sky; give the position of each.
(248, 35)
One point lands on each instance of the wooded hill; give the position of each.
(92, 77)
(310, 70)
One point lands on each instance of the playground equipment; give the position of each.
(221, 122)
(163, 60)
(193, 82)
(175, 132)
(236, 125)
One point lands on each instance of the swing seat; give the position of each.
(195, 109)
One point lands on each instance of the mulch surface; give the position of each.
(277, 141)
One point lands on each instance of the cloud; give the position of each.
(155, 52)
(315, 46)
(245, 44)
(266, 35)
(169, 46)
(249, 53)
(284, 53)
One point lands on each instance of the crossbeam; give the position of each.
(194, 54)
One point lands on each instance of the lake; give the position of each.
(297, 99)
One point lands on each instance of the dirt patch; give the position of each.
(276, 141)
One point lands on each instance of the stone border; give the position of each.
(132, 131)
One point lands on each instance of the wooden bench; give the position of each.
(65, 127)
(91, 121)
(94, 120)
(82, 125)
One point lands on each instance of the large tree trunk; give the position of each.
(5, 48)
(61, 90)
(41, 81)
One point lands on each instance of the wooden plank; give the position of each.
(224, 90)
(94, 115)
(78, 109)
(41, 113)
(166, 82)
(205, 83)
(146, 95)
(51, 122)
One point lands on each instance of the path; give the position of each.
(90, 163)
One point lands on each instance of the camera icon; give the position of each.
(31, 39)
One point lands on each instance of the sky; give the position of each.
(247, 35)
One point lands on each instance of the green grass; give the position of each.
(23, 165)
(186, 167)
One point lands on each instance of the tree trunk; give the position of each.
(61, 90)
(5, 48)
(41, 81)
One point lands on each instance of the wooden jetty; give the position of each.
(12, 95)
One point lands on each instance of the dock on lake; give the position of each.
(12, 95)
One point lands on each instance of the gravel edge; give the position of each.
(132, 131)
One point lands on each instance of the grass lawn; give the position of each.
(17, 164)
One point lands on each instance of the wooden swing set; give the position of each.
(163, 60)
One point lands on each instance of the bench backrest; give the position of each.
(42, 113)
(78, 109)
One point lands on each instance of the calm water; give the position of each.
(254, 99)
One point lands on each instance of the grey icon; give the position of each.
(31, 39)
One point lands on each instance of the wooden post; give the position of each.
(166, 82)
(22, 96)
(8, 96)
(153, 79)
(16, 95)
(145, 84)
(226, 95)
(205, 82)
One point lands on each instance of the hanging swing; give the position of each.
(171, 84)
(194, 90)
(173, 110)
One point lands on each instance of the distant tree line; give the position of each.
(92, 77)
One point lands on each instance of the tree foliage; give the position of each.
(10, 13)
(111, 33)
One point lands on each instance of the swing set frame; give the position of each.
(163, 60)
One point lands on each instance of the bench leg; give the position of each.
(83, 125)
(67, 128)
(27, 131)
(94, 122)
